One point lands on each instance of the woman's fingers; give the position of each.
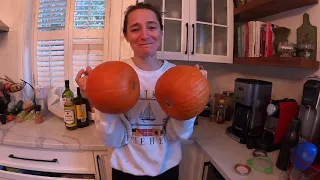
(79, 74)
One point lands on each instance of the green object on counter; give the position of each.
(17, 108)
(30, 116)
(267, 164)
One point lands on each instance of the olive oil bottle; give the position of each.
(81, 110)
(69, 108)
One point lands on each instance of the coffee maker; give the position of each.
(309, 113)
(280, 113)
(251, 98)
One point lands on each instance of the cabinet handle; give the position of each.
(205, 165)
(186, 52)
(98, 163)
(28, 159)
(192, 39)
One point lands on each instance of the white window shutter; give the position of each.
(89, 14)
(50, 62)
(87, 35)
(69, 36)
(52, 15)
(50, 42)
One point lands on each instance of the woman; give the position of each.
(145, 140)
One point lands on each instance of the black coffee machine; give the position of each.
(251, 97)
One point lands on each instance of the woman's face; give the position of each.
(143, 32)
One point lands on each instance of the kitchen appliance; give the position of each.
(310, 110)
(251, 97)
(280, 113)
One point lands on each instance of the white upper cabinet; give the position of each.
(194, 30)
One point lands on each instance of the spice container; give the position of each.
(38, 117)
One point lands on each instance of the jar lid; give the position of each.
(37, 108)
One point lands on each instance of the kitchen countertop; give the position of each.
(51, 134)
(224, 152)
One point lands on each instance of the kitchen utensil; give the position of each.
(242, 169)
(259, 153)
(260, 163)
(306, 152)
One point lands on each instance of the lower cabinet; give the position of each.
(19, 163)
(188, 162)
(103, 169)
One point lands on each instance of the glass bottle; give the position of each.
(38, 116)
(221, 112)
(69, 109)
(81, 110)
(290, 140)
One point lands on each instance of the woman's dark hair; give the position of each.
(140, 6)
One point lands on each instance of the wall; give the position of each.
(287, 82)
(14, 44)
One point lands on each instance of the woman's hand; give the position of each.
(82, 81)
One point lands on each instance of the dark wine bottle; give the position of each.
(290, 140)
(81, 110)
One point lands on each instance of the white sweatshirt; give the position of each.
(145, 139)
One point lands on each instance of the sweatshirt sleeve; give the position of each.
(115, 129)
(179, 130)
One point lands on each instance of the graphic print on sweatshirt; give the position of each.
(147, 120)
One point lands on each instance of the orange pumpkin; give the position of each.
(182, 92)
(113, 87)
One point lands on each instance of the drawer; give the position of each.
(5, 175)
(79, 162)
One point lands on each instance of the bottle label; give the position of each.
(69, 116)
(81, 112)
(67, 101)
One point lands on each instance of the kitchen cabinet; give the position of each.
(188, 162)
(194, 30)
(27, 163)
(102, 163)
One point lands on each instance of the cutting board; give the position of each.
(307, 32)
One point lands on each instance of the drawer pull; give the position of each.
(28, 159)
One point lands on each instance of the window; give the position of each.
(69, 35)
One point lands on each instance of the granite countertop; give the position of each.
(224, 152)
(51, 134)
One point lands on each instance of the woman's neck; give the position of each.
(150, 63)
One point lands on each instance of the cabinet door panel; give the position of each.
(220, 41)
(102, 163)
(172, 36)
(220, 12)
(213, 32)
(175, 17)
(203, 38)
